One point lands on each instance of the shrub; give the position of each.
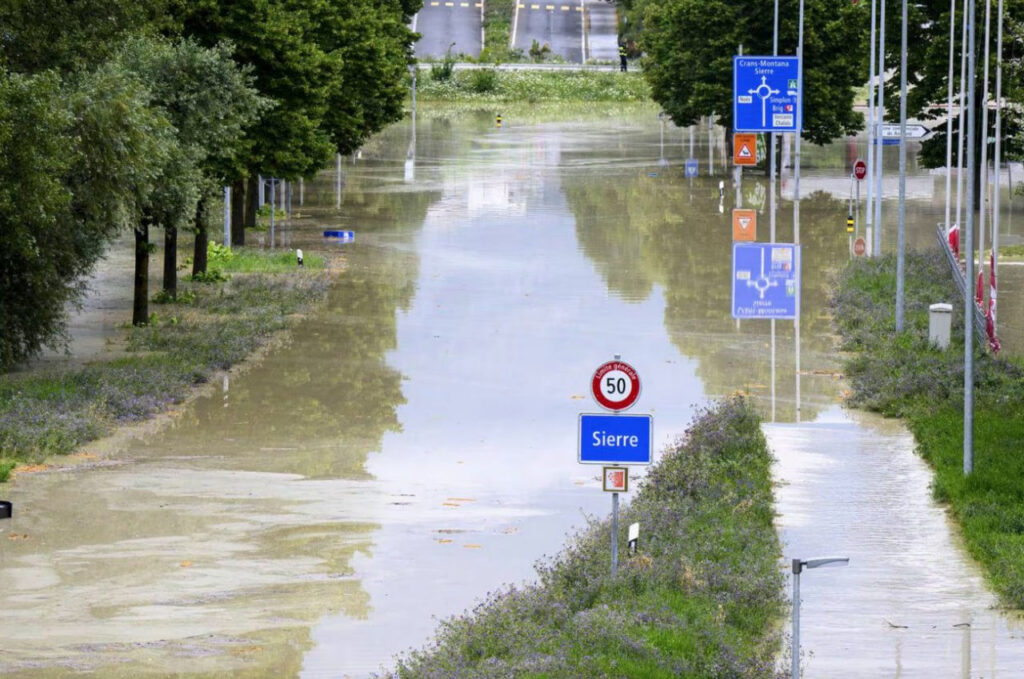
(483, 80)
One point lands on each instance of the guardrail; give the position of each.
(960, 278)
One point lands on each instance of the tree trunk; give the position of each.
(252, 201)
(140, 303)
(171, 261)
(238, 212)
(202, 240)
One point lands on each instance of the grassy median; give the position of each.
(497, 85)
(904, 376)
(56, 409)
(701, 599)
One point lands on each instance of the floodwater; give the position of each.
(412, 446)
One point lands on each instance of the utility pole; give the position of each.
(969, 256)
(879, 121)
(902, 226)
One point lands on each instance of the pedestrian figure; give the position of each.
(622, 58)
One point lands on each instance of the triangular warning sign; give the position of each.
(744, 152)
(744, 222)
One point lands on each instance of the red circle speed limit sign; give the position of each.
(616, 385)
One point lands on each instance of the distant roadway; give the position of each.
(555, 23)
(449, 23)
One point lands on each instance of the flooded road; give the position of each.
(412, 447)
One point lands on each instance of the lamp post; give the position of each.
(798, 566)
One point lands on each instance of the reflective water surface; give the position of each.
(412, 446)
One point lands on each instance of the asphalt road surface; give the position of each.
(557, 24)
(447, 23)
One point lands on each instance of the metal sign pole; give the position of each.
(901, 235)
(615, 533)
(879, 121)
(969, 254)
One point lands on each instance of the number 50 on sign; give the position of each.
(616, 386)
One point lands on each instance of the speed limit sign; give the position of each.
(616, 386)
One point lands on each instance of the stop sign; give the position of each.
(859, 247)
(860, 169)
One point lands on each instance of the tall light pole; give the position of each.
(796, 195)
(969, 255)
(949, 110)
(997, 160)
(879, 121)
(902, 226)
(798, 566)
(871, 134)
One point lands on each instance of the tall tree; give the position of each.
(375, 45)
(333, 70)
(208, 100)
(78, 160)
(70, 35)
(689, 46)
(275, 38)
(928, 76)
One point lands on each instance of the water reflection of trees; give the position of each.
(322, 402)
(641, 231)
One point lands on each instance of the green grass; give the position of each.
(536, 86)
(702, 599)
(905, 377)
(1012, 251)
(498, 16)
(261, 261)
(57, 410)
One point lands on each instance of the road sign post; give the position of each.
(766, 94)
(765, 280)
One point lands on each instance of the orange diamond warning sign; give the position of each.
(744, 224)
(744, 149)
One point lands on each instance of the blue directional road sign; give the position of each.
(691, 168)
(765, 280)
(766, 94)
(615, 439)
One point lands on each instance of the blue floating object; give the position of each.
(343, 236)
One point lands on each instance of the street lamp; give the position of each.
(798, 566)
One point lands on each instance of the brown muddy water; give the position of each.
(413, 446)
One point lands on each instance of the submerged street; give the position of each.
(412, 446)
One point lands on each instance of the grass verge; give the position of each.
(702, 599)
(498, 17)
(493, 85)
(57, 410)
(904, 376)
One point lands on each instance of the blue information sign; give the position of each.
(766, 94)
(691, 168)
(615, 439)
(765, 280)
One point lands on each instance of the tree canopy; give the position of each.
(689, 46)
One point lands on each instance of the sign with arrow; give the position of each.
(765, 280)
(766, 94)
(890, 131)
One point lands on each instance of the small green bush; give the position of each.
(483, 80)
